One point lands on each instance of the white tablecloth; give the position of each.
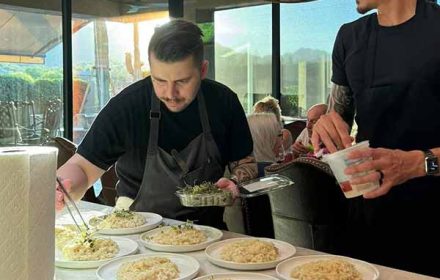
(206, 267)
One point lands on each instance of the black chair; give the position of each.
(66, 149)
(257, 216)
(295, 128)
(312, 213)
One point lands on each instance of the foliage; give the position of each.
(46, 89)
(52, 75)
(289, 101)
(16, 86)
(207, 31)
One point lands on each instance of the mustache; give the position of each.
(173, 100)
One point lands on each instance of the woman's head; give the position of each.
(266, 135)
(268, 105)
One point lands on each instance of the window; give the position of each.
(308, 32)
(109, 53)
(243, 52)
(31, 76)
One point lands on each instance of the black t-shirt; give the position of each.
(120, 131)
(397, 107)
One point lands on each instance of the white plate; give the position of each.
(212, 234)
(188, 266)
(126, 247)
(236, 276)
(368, 271)
(153, 220)
(285, 251)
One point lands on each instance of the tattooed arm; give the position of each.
(333, 128)
(241, 170)
(244, 169)
(341, 102)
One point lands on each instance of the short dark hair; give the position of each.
(176, 40)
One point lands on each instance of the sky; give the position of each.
(305, 25)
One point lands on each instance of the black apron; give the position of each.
(398, 229)
(164, 173)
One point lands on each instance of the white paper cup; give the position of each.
(338, 163)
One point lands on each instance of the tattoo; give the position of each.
(341, 101)
(244, 169)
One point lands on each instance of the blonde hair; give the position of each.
(268, 105)
(265, 129)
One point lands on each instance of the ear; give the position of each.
(204, 69)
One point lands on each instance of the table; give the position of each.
(386, 273)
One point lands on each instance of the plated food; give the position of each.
(180, 238)
(330, 269)
(64, 234)
(205, 194)
(150, 268)
(249, 253)
(81, 250)
(326, 267)
(90, 249)
(121, 219)
(125, 222)
(236, 276)
(159, 266)
(183, 234)
(77, 246)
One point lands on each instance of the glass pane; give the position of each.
(109, 53)
(308, 32)
(31, 75)
(243, 52)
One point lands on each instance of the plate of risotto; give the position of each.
(236, 276)
(156, 266)
(185, 237)
(249, 253)
(125, 222)
(328, 267)
(75, 250)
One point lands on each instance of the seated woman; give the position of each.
(271, 105)
(267, 138)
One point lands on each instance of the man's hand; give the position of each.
(332, 131)
(397, 167)
(224, 183)
(59, 195)
(299, 149)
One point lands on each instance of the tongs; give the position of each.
(72, 203)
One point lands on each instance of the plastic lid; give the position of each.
(263, 185)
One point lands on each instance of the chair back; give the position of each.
(312, 213)
(295, 128)
(26, 121)
(9, 133)
(66, 149)
(257, 216)
(52, 115)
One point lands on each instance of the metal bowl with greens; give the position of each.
(204, 194)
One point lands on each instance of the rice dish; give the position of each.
(249, 251)
(90, 249)
(330, 269)
(121, 219)
(185, 234)
(154, 268)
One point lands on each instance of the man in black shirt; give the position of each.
(386, 71)
(170, 129)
